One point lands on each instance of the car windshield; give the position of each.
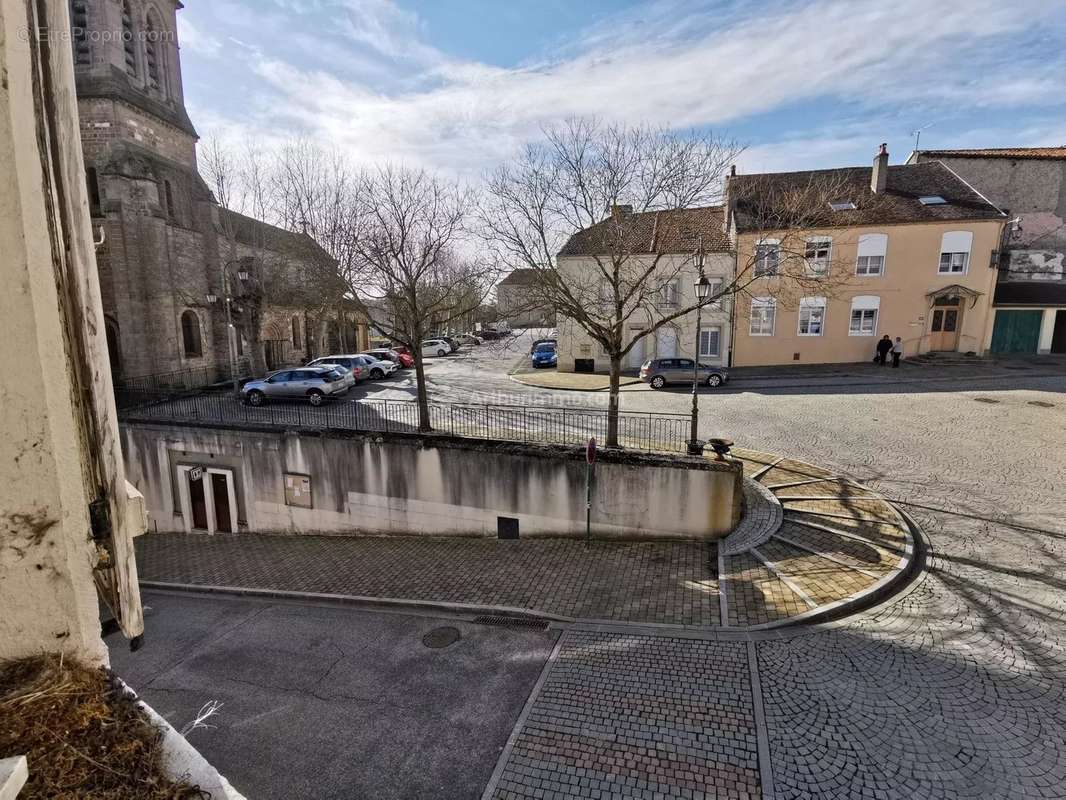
(545, 348)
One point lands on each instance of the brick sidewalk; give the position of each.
(662, 582)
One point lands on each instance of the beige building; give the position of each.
(518, 304)
(670, 237)
(908, 251)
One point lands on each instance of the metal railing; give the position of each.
(143, 388)
(544, 425)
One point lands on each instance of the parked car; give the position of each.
(453, 343)
(539, 342)
(544, 355)
(350, 375)
(375, 368)
(661, 371)
(384, 354)
(406, 359)
(349, 362)
(468, 338)
(313, 383)
(435, 347)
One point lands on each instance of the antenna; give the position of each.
(917, 133)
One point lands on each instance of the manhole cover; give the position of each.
(1041, 403)
(441, 637)
(985, 400)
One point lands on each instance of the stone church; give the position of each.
(172, 259)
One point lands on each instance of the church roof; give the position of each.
(256, 233)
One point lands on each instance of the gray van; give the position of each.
(661, 371)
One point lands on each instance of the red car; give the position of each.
(405, 360)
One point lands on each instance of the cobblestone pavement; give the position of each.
(640, 717)
(664, 582)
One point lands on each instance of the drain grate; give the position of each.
(439, 638)
(513, 622)
(1041, 404)
(985, 400)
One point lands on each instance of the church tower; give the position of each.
(159, 220)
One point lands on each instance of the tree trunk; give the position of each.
(612, 401)
(256, 356)
(420, 387)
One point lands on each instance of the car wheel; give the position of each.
(377, 374)
(441, 354)
(714, 381)
(316, 397)
(256, 397)
(658, 382)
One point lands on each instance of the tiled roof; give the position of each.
(899, 203)
(521, 277)
(661, 232)
(256, 233)
(998, 152)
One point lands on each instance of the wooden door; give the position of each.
(944, 328)
(1016, 331)
(198, 502)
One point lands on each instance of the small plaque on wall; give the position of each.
(297, 490)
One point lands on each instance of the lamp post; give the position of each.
(703, 291)
(227, 299)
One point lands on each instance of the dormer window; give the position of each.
(932, 200)
(843, 205)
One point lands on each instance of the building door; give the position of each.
(666, 342)
(220, 493)
(636, 354)
(274, 351)
(944, 327)
(197, 501)
(1058, 337)
(1016, 331)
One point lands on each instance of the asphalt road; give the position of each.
(333, 702)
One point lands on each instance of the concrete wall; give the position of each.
(410, 485)
(575, 343)
(910, 272)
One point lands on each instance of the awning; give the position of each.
(954, 290)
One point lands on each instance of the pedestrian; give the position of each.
(884, 347)
(897, 351)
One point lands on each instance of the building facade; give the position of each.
(1029, 184)
(664, 242)
(907, 250)
(170, 256)
(518, 304)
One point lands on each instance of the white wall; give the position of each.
(405, 485)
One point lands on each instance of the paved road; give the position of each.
(330, 702)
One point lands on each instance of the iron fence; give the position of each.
(144, 388)
(538, 424)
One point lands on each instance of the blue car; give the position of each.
(544, 355)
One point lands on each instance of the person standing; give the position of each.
(883, 348)
(897, 351)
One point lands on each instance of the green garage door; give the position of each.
(1016, 331)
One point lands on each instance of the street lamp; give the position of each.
(227, 296)
(703, 291)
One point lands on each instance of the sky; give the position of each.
(459, 85)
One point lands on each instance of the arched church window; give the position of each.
(155, 53)
(92, 181)
(297, 342)
(190, 334)
(129, 39)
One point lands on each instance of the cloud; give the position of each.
(194, 39)
(670, 63)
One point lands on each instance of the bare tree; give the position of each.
(406, 248)
(612, 217)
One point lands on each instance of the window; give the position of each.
(79, 29)
(168, 198)
(296, 340)
(871, 258)
(817, 255)
(763, 315)
(955, 252)
(668, 294)
(190, 334)
(129, 40)
(716, 287)
(864, 316)
(238, 336)
(811, 316)
(711, 342)
(767, 257)
(92, 181)
(154, 54)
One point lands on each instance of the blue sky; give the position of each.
(458, 85)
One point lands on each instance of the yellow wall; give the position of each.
(910, 273)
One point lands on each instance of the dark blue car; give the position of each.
(544, 355)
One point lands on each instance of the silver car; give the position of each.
(314, 384)
(661, 371)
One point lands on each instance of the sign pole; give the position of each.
(590, 459)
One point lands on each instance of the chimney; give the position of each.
(879, 177)
(621, 211)
(732, 170)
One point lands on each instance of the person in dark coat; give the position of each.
(884, 347)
